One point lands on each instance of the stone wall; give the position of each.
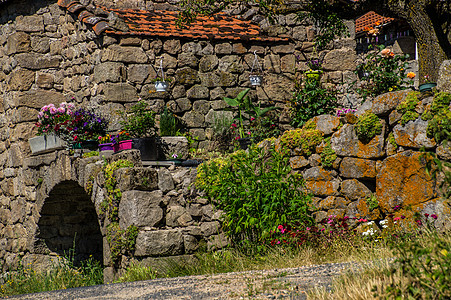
(377, 178)
(65, 210)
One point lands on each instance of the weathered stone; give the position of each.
(272, 63)
(45, 80)
(314, 160)
(140, 208)
(384, 104)
(139, 73)
(209, 228)
(345, 143)
(212, 115)
(172, 46)
(218, 241)
(165, 182)
(224, 48)
(319, 173)
(180, 105)
(186, 76)
(124, 54)
(413, 134)
(192, 48)
(159, 243)
(351, 167)
(108, 71)
(353, 189)
(38, 98)
(18, 42)
(444, 77)
(194, 119)
(178, 145)
(198, 92)
(277, 88)
(36, 61)
(40, 44)
(327, 124)
(174, 213)
(230, 64)
(120, 92)
(340, 60)
(359, 209)
(288, 64)
(283, 48)
(402, 180)
(332, 202)
(191, 244)
(323, 188)
(33, 23)
(137, 178)
(20, 80)
(298, 162)
(208, 63)
(187, 59)
(444, 152)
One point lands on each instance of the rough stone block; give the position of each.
(340, 60)
(36, 61)
(402, 180)
(108, 71)
(413, 135)
(165, 181)
(128, 54)
(353, 189)
(140, 208)
(137, 178)
(120, 92)
(384, 104)
(18, 42)
(327, 124)
(351, 167)
(159, 243)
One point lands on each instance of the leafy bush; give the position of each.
(311, 100)
(256, 190)
(304, 140)
(368, 126)
(139, 121)
(383, 72)
(427, 269)
(170, 125)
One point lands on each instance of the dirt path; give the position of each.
(268, 284)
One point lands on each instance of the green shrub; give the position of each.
(328, 155)
(170, 125)
(426, 269)
(121, 241)
(256, 190)
(311, 100)
(368, 126)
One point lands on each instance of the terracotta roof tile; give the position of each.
(370, 19)
(163, 24)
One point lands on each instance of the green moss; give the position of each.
(110, 205)
(408, 106)
(391, 140)
(439, 127)
(439, 117)
(310, 124)
(372, 202)
(304, 139)
(440, 103)
(328, 155)
(368, 126)
(90, 154)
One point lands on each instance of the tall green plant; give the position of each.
(169, 124)
(311, 100)
(139, 120)
(257, 191)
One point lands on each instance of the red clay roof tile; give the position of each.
(162, 24)
(370, 19)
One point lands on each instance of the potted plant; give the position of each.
(245, 109)
(122, 141)
(51, 123)
(105, 143)
(84, 128)
(139, 123)
(428, 85)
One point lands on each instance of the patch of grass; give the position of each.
(62, 275)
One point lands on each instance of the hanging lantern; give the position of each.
(160, 83)
(256, 78)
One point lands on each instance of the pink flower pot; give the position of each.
(125, 145)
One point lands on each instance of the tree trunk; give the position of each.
(427, 28)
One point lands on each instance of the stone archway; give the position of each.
(69, 222)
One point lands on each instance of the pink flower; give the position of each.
(403, 217)
(426, 215)
(434, 216)
(61, 110)
(234, 125)
(252, 118)
(396, 219)
(53, 110)
(308, 228)
(386, 52)
(249, 133)
(322, 229)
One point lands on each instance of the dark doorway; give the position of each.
(69, 224)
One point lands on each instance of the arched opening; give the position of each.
(69, 224)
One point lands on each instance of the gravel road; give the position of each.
(289, 283)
